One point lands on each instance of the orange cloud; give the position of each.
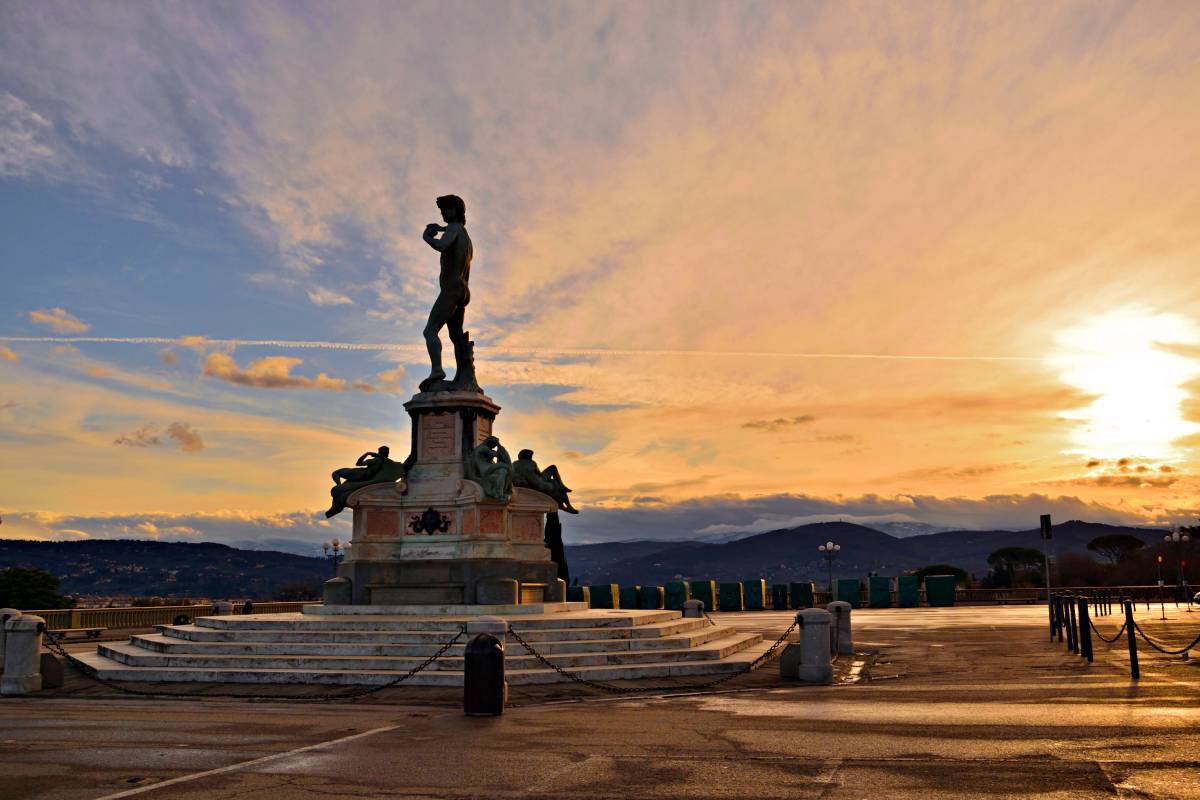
(271, 372)
(6, 354)
(59, 320)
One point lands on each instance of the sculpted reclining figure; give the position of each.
(370, 468)
(490, 466)
(548, 481)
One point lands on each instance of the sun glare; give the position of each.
(1124, 358)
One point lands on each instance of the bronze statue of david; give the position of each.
(450, 307)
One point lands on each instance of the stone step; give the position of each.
(596, 618)
(134, 655)
(111, 670)
(200, 633)
(170, 641)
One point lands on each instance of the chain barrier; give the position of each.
(603, 687)
(1161, 649)
(54, 645)
(707, 617)
(1104, 638)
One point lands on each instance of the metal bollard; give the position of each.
(840, 640)
(5, 615)
(23, 655)
(1072, 627)
(1134, 672)
(485, 691)
(1085, 630)
(693, 608)
(1050, 611)
(810, 661)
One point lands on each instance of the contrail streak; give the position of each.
(506, 350)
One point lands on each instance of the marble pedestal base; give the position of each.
(450, 581)
(437, 538)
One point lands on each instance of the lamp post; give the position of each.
(334, 553)
(1179, 539)
(829, 550)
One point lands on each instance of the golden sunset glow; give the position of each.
(1124, 359)
(918, 261)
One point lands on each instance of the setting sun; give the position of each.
(1124, 359)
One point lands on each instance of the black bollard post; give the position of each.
(484, 688)
(1134, 672)
(1058, 616)
(1085, 630)
(1072, 627)
(1050, 607)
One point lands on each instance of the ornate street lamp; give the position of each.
(334, 553)
(829, 550)
(1180, 539)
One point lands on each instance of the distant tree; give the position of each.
(943, 569)
(1116, 547)
(1009, 562)
(30, 589)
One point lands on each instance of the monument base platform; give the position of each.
(376, 648)
(465, 611)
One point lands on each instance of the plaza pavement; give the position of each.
(960, 702)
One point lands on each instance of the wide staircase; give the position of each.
(304, 648)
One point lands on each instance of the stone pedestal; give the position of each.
(436, 538)
(22, 655)
(840, 639)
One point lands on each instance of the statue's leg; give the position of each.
(441, 313)
(454, 329)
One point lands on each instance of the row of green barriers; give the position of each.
(752, 595)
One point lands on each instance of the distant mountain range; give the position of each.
(791, 554)
(178, 569)
(143, 568)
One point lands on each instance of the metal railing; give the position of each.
(58, 619)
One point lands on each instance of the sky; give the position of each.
(738, 265)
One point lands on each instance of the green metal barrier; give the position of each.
(732, 596)
(676, 594)
(651, 597)
(939, 589)
(908, 591)
(779, 596)
(802, 594)
(579, 594)
(705, 592)
(848, 590)
(606, 595)
(879, 592)
(629, 596)
(754, 594)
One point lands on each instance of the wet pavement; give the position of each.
(960, 702)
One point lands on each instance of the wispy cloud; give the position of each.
(151, 436)
(59, 320)
(7, 354)
(779, 423)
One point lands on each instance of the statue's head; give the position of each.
(383, 451)
(491, 441)
(525, 454)
(453, 208)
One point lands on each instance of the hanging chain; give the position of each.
(1104, 638)
(603, 687)
(54, 644)
(1161, 649)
